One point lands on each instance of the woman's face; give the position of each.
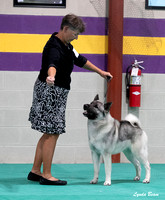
(71, 34)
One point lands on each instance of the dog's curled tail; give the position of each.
(135, 122)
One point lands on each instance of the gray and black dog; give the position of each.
(108, 136)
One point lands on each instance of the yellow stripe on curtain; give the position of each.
(144, 45)
(34, 43)
(86, 44)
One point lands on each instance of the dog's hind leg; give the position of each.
(143, 158)
(130, 156)
(141, 152)
(96, 162)
(148, 171)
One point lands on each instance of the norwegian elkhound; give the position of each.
(108, 136)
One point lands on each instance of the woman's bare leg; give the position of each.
(44, 154)
(38, 157)
(47, 155)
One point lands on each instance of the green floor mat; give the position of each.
(15, 186)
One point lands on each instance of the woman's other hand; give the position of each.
(50, 80)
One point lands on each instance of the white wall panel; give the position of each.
(77, 7)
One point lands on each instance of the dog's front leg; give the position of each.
(96, 163)
(108, 166)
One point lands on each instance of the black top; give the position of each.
(57, 54)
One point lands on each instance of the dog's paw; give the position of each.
(137, 178)
(107, 183)
(146, 180)
(94, 181)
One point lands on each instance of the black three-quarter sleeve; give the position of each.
(52, 57)
(79, 60)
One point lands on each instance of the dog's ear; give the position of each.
(96, 97)
(107, 106)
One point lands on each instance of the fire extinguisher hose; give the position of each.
(127, 81)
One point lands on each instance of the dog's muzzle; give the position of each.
(89, 112)
(85, 113)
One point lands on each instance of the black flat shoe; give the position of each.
(33, 177)
(44, 181)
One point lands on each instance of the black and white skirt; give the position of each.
(47, 113)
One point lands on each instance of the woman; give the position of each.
(47, 113)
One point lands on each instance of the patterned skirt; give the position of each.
(47, 113)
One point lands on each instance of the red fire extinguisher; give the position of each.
(133, 84)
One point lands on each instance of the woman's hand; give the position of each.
(50, 80)
(93, 68)
(108, 76)
(51, 76)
